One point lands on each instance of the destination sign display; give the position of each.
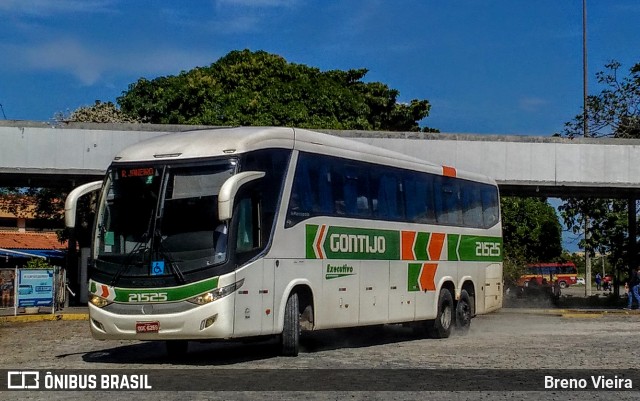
(136, 172)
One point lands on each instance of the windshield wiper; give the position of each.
(125, 267)
(175, 268)
(136, 249)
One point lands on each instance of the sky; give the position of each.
(486, 67)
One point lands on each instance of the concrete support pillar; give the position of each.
(633, 234)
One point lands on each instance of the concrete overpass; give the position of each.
(40, 154)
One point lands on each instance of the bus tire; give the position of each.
(563, 284)
(441, 326)
(463, 313)
(290, 337)
(177, 348)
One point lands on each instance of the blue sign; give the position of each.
(35, 287)
(157, 268)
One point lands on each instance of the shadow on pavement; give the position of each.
(229, 353)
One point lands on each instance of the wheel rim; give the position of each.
(445, 318)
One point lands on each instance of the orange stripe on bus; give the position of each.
(319, 243)
(408, 238)
(436, 244)
(449, 171)
(427, 277)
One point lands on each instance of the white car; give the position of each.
(580, 280)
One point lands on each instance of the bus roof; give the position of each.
(207, 143)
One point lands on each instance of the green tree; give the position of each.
(531, 232)
(607, 224)
(259, 88)
(613, 112)
(99, 112)
(38, 263)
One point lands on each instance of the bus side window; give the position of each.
(419, 205)
(247, 233)
(337, 190)
(490, 204)
(471, 205)
(448, 201)
(301, 193)
(386, 205)
(356, 192)
(324, 197)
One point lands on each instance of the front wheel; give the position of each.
(563, 284)
(290, 337)
(441, 326)
(463, 312)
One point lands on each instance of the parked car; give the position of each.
(580, 280)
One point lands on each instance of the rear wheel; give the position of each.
(563, 284)
(290, 337)
(441, 326)
(463, 312)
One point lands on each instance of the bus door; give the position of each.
(248, 305)
(401, 300)
(340, 292)
(254, 299)
(374, 291)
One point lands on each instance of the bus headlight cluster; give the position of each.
(216, 294)
(98, 301)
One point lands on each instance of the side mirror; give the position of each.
(229, 190)
(71, 203)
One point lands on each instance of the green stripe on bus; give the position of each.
(170, 294)
(311, 232)
(361, 243)
(413, 277)
(370, 244)
(420, 249)
(480, 248)
(452, 246)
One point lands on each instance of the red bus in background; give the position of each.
(565, 273)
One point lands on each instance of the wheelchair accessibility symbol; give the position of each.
(157, 268)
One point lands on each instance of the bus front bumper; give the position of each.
(210, 321)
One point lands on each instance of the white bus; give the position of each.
(240, 232)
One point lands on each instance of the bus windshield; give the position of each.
(161, 220)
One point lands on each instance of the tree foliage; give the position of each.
(531, 232)
(607, 224)
(99, 112)
(40, 203)
(263, 89)
(38, 263)
(241, 88)
(613, 112)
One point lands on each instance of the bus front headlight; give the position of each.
(98, 301)
(216, 294)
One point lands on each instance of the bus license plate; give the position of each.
(147, 327)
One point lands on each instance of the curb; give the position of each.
(586, 313)
(566, 313)
(44, 317)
